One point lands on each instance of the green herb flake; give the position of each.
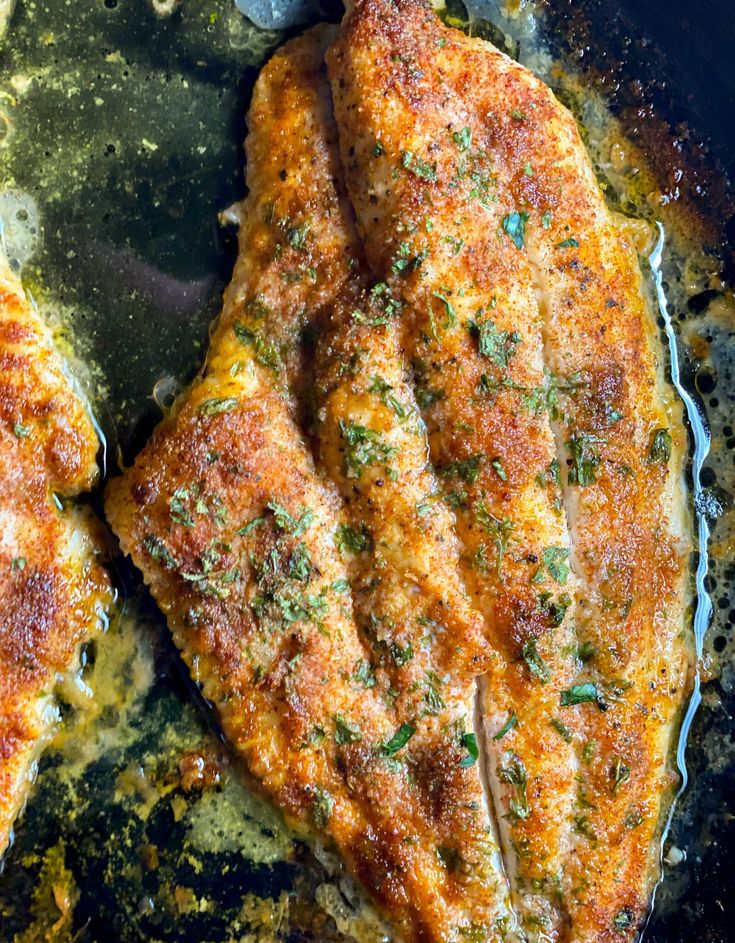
(659, 451)
(498, 346)
(265, 353)
(623, 920)
(178, 510)
(448, 308)
(510, 723)
(248, 528)
(513, 772)
(355, 541)
(364, 447)
(462, 139)
(553, 562)
(419, 168)
(217, 405)
(500, 471)
(20, 431)
(296, 236)
(322, 807)
(399, 739)
(579, 694)
(535, 663)
(514, 225)
(585, 460)
(570, 243)
(345, 733)
(561, 728)
(546, 219)
(290, 524)
(17, 563)
(364, 674)
(619, 773)
(469, 742)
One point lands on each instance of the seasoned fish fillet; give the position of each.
(241, 543)
(621, 444)
(478, 205)
(431, 206)
(424, 637)
(53, 593)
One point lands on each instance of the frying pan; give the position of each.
(123, 122)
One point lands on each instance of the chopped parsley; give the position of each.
(347, 538)
(659, 451)
(462, 138)
(448, 308)
(553, 562)
(419, 168)
(585, 459)
(499, 469)
(620, 774)
(499, 528)
(579, 694)
(401, 656)
(399, 739)
(546, 219)
(536, 665)
(513, 772)
(296, 236)
(510, 723)
(466, 469)
(248, 528)
(344, 732)
(158, 551)
(498, 346)
(561, 728)
(290, 524)
(265, 353)
(364, 447)
(364, 674)
(570, 243)
(469, 742)
(622, 920)
(218, 404)
(514, 225)
(20, 431)
(322, 808)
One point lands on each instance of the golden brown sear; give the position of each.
(53, 592)
(252, 558)
(478, 206)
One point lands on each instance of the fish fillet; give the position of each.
(431, 203)
(241, 543)
(621, 445)
(53, 592)
(478, 206)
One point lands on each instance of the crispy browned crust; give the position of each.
(430, 204)
(469, 140)
(236, 535)
(52, 591)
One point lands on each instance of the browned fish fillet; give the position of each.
(431, 205)
(424, 637)
(406, 89)
(53, 593)
(621, 443)
(238, 537)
